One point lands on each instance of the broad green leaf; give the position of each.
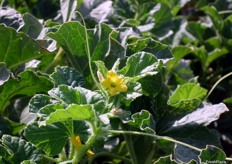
(166, 159)
(67, 75)
(217, 53)
(175, 5)
(102, 68)
(18, 46)
(38, 101)
(136, 143)
(77, 95)
(226, 28)
(21, 150)
(4, 126)
(151, 85)
(28, 84)
(165, 146)
(32, 26)
(71, 37)
(214, 16)
(66, 94)
(140, 65)
(197, 30)
(187, 97)
(212, 154)
(74, 112)
(50, 138)
(201, 54)
(134, 91)
(67, 9)
(189, 134)
(182, 72)
(163, 21)
(142, 120)
(4, 74)
(159, 50)
(204, 115)
(48, 109)
(27, 162)
(92, 98)
(178, 53)
(6, 154)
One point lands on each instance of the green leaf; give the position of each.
(38, 101)
(204, 115)
(214, 55)
(183, 72)
(28, 84)
(71, 37)
(142, 120)
(101, 67)
(197, 30)
(51, 138)
(6, 154)
(163, 21)
(140, 65)
(4, 74)
(159, 50)
(167, 159)
(136, 143)
(195, 135)
(214, 16)
(77, 95)
(48, 109)
(212, 154)
(92, 98)
(66, 94)
(67, 75)
(74, 112)
(151, 85)
(18, 46)
(4, 126)
(32, 26)
(20, 149)
(134, 91)
(187, 97)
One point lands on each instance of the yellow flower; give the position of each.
(76, 141)
(113, 83)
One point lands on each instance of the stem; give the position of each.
(89, 57)
(80, 154)
(55, 61)
(229, 159)
(62, 155)
(225, 12)
(72, 151)
(50, 158)
(214, 86)
(155, 136)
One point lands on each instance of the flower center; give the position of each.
(113, 84)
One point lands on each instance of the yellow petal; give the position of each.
(112, 91)
(122, 88)
(106, 83)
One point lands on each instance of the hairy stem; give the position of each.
(155, 136)
(214, 86)
(89, 57)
